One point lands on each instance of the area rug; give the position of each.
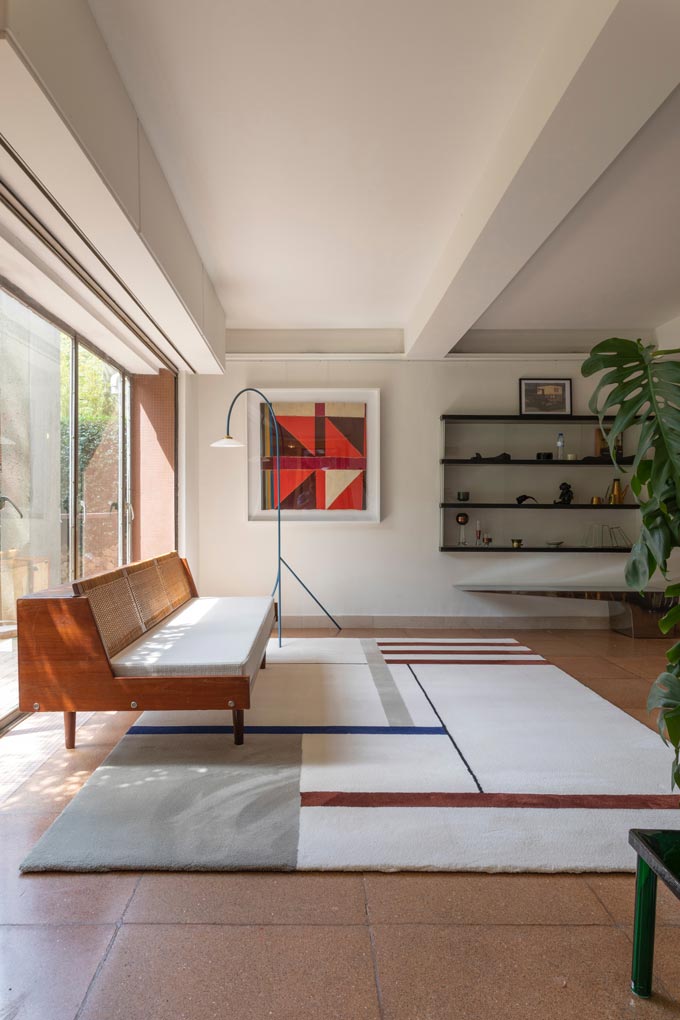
(451, 754)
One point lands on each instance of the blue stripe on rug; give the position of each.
(406, 730)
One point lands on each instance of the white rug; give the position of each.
(427, 754)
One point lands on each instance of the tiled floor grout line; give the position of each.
(659, 986)
(624, 929)
(97, 972)
(100, 965)
(374, 952)
(373, 927)
(326, 924)
(130, 898)
(601, 902)
(608, 658)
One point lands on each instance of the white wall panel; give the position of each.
(67, 52)
(165, 232)
(213, 317)
(393, 568)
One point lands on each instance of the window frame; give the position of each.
(78, 341)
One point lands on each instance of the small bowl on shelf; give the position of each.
(555, 545)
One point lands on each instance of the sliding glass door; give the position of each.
(64, 496)
(102, 518)
(34, 552)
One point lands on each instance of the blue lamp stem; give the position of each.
(277, 584)
(279, 559)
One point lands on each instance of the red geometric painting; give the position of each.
(323, 456)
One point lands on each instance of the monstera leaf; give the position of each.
(640, 386)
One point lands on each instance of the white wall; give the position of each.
(391, 569)
(187, 469)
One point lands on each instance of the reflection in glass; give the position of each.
(99, 464)
(33, 541)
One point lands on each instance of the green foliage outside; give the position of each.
(97, 408)
(640, 386)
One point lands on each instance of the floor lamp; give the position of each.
(228, 440)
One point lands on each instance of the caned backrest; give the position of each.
(174, 578)
(113, 607)
(129, 601)
(148, 592)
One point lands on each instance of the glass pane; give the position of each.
(34, 396)
(152, 464)
(127, 512)
(66, 466)
(99, 465)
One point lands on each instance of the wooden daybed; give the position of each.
(140, 638)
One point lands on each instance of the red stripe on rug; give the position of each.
(632, 801)
(452, 644)
(466, 662)
(458, 651)
(452, 641)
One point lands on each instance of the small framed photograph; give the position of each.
(545, 396)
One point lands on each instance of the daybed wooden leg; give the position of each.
(70, 729)
(238, 725)
(264, 661)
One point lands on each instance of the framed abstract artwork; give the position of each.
(330, 455)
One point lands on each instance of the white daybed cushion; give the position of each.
(204, 637)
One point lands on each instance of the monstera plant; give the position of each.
(640, 385)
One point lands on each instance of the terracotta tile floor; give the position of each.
(347, 946)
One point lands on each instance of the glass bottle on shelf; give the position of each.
(560, 445)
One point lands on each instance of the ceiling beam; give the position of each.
(668, 334)
(610, 68)
(321, 342)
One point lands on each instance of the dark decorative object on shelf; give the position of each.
(502, 458)
(463, 497)
(602, 445)
(545, 397)
(461, 520)
(566, 494)
(607, 460)
(544, 456)
(516, 543)
(489, 492)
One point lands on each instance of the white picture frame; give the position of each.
(371, 398)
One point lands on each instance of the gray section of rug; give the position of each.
(194, 802)
(391, 700)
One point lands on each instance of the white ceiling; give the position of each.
(322, 151)
(616, 257)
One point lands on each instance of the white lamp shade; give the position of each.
(227, 441)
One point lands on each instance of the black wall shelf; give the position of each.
(540, 506)
(531, 549)
(603, 462)
(563, 419)
(449, 483)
